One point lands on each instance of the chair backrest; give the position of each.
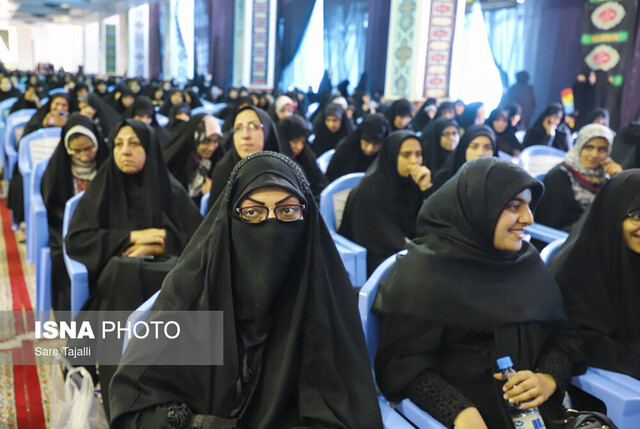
(324, 160)
(36, 177)
(507, 157)
(14, 127)
(545, 233)
(163, 121)
(5, 106)
(551, 249)
(210, 108)
(540, 159)
(370, 321)
(37, 146)
(57, 91)
(334, 197)
(139, 314)
(69, 208)
(204, 204)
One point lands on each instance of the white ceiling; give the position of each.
(64, 11)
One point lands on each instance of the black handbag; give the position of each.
(585, 420)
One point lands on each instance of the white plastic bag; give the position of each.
(73, 402)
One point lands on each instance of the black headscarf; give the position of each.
(348, 157)
(144, 106)
(382, 210)
(468, 117)
(165, 109)
(23, 103)
(300, 363)
(459, 155)
(195, 100)
(433, 153)
(35, 123)
(116, 203)
(537, 135)
(11, 93)
(174, 125)
(324, 139)
(294, 127)
(401, 107)
(422, 119)
(506, 141)
(178, 153)
(600, 276)
(223, 168)
(57, 187)
(626, 146)
(106, 116)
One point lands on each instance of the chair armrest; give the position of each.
(79, 276)
(360, 255)
(43, 285)
(417, 415)
(391, 419)
(620, 393)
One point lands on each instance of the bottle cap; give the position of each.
(504, 362)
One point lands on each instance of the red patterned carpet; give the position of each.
(24, 389)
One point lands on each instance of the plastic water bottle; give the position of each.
(522, 418)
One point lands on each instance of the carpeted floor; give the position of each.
(24, 389)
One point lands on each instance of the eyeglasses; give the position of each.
(79, 152)
(635, 217)
(251, 126)
(450, 134)
(284, 213)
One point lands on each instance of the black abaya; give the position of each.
(455, 303)
(599, 277)
(302, 363)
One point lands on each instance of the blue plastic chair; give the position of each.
(40, 239)
(354, 256)
(324, 160)
(540, 159)
(57, 91)
(371, 328)
(78, 273)
(34, 147)
(551, 249)
(14, 126)
(204, 204)
(163, 121)
(620, 393)
(5, 106)
(507, 157)
(139, 314)
(545, 234)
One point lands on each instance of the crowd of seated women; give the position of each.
(469, 290)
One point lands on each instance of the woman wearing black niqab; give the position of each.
(66, 175)
(349, 156)
(382, 210)
(186, 154)
(326, 138)
(469, 291)
(245, 142)
(293, 133)
(598, 271)
(300, 363)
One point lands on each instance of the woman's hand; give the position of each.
(469, 418)
(144, 250)
(148, 236)
(422, 176)
(206, 186)
(611, 167)
(549, 127)
(533, 387)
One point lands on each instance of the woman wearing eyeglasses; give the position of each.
(294, 352)
(571, 186)
(74, 163)
(253, 131)
(598, 271)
